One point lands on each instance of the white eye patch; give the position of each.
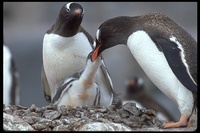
(68, 6)
(98, 34)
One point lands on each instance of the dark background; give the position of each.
(25, 23)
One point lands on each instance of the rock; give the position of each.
(32, 108)
(131, 108)
(39, 126)
(78, 124)
(61, 128)
(65, 121)
(149, 112)
(14, 123)
(56, 123)
(52, 115)
(84, 118)
(28, 119)
(7, 110)
(170, 129)
(17, 107)
(100, 126)
(47, 122)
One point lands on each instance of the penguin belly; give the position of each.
(63, 57)
(156, 67)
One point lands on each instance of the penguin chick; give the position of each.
(80, 88)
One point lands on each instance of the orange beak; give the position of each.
(77, 11)
(95, 53)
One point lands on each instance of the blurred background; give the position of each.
(25, 23)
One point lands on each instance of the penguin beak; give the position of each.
(95, 53)
(78, 11)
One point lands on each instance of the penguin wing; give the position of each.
(116, 96)
(45, 86)
(63, 87)
(175, 58)
(15, 91)
(97, 97)
(107, 76)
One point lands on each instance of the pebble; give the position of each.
(62, 118)
(61, 128)
(65, 121)
(52, 115)
(28, 119)
(7, 110)
(131, 108)
(39, 126)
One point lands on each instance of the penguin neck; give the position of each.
(66, 28)
(119, 29)
(90, 70)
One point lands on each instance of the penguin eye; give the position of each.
(67, 6)
(67, 10)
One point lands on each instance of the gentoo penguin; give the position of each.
(136, 91)
(165, 51)
(66, 46)
(80, 88)
(11, 83)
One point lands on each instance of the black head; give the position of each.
(71, 11)
(111, 33)
(134, 85)
(134, 88)
(69, 19)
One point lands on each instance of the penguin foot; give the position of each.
(190, 124)
(181, 123)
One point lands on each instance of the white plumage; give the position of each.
(10, 79)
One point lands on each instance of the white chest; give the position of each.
(7, 76)
(64, 56)
(154, 63)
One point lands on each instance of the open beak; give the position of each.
(95, 53)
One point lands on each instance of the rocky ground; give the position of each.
(61, 118)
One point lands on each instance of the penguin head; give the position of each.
(89, 57)
(134, 85)
(110, 34)
(134, 88)
(74, 8)
(72, 13)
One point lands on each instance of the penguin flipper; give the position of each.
(62, 87)
(107, 76)
(116, 98)
(173, 54)
(45, 86)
